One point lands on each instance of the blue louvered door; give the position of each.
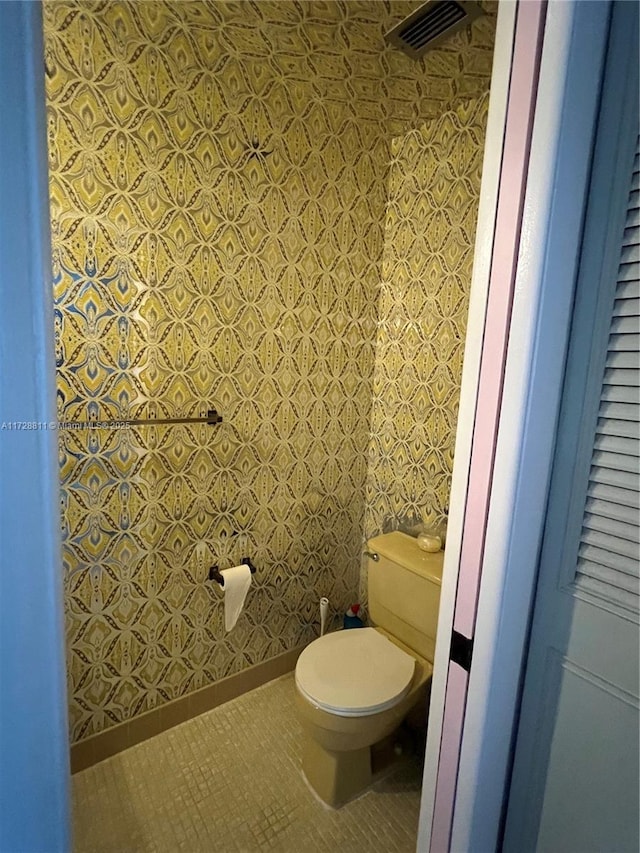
(575, 777)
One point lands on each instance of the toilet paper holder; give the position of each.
(216, 575)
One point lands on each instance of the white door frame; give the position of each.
(564, 122)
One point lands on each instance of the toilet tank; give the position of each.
(404, 590)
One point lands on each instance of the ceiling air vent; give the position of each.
(431, 23)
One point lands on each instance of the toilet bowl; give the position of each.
(341, 725)
(355, 687)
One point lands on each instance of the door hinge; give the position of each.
(461, 650)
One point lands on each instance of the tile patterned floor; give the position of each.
(230, 781)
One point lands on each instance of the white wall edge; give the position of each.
(492, 162)
(547, 264)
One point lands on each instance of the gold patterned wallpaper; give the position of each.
(218, 192)
(434, 190)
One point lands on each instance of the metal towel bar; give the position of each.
(212, 418)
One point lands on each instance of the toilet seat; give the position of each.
(353, 673)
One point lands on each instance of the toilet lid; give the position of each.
(354, 672)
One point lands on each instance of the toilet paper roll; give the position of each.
(237, 581)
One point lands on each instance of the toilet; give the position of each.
(355, 687)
